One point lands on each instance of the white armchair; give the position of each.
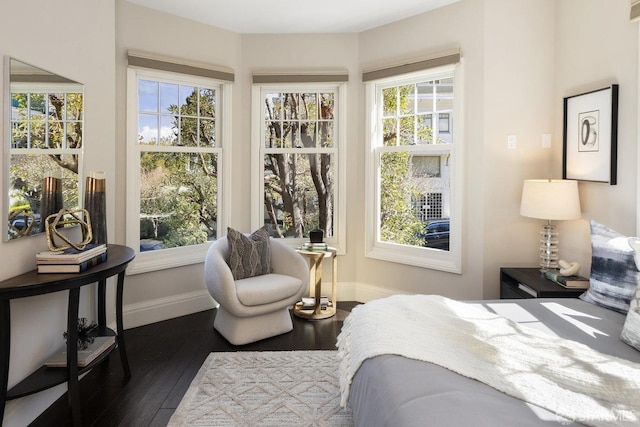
(256, 307)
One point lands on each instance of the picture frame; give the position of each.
(590, 136)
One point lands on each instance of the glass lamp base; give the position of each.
(548, 247)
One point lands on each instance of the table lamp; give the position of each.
(550, 199)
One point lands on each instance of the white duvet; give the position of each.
(563, 376)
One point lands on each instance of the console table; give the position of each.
(32, 283)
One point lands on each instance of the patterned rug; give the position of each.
(270, 388)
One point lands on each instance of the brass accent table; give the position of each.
(32, 283)
(315, 259)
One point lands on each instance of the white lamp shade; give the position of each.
(550, 199)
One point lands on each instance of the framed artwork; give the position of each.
(590, 139)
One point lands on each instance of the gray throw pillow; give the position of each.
(249, 255)
(631, 330)
(614, 275)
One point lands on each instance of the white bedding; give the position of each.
(561, 375)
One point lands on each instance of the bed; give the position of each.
(387, 380)
(392, 390)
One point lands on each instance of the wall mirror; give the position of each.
(42, 148)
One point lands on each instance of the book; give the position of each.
(73, 268)
(308, 246)
(86, 356)
(577, 282)
(71, 255)
(309, 303)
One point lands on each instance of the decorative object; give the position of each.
(67, 218)
(85, 329)
(316, 235)
(95, 204)
(21, 223)
(568, 268)
(270, 388)
(550, 199)
(51, 200)
(590, 140)
(614, 273)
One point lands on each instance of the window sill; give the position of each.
(148, 261)
(419, 257)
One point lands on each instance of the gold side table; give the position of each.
(315, 259)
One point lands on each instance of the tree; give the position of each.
(298, 188)
(178, 190)
(398, 221)
(45, 121)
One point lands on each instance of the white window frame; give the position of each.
(450, 260)
(184, 255)
(258, 150)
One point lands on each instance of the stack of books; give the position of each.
(85, 356)
(71, 260)
(573, 282)
(308, 246)
(309, 303)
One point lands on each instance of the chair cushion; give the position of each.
(267, 288)
(249, 255)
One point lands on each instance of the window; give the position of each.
(297, 140)
(413, 169)
(176, 163)
(46, 142)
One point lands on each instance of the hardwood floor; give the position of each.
(164, 359)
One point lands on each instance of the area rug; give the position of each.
(268, 388)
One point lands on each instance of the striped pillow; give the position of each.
(631, 330)
(249, 255)
(614, 275)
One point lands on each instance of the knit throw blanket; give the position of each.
(563, 376)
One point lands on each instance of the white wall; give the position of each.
(519, 66)
(75, 39)
(597, 47)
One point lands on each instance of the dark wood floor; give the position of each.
(164, 359)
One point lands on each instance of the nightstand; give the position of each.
(530, 283)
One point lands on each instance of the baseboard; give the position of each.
(157, 310)
(160, 309)
(365, 292)
(361, 292)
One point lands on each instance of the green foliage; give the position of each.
(178, 190)
(398, 221)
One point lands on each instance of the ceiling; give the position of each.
(294, 16)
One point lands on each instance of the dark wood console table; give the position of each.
(32, 283)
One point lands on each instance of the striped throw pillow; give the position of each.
(614, 275)
(631, 330)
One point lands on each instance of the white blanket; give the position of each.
(563, 376)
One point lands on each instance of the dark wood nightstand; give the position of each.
(531, 283)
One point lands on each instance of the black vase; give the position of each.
(95, 204)
(51, 201)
